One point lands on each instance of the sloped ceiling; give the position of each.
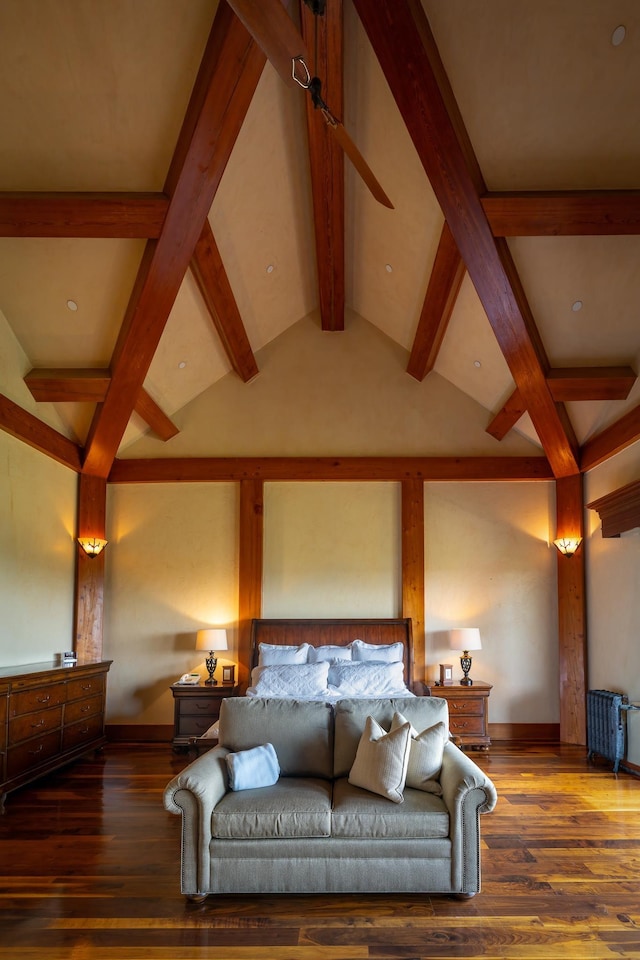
(543, 105)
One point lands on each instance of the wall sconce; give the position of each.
(568, 545)
(216, 638)
(92, 546)
(465, 639)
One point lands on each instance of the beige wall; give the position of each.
(37, 554)
(613, 594)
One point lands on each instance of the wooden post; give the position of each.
(250, 567)
(89, 599)
(572, 616)
(413, 569)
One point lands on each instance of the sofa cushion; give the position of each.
(301, 732)
(297, 807)
(358, 813)
(351, 715)
(425, 755)
(381, 760)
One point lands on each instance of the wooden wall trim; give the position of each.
(619, 510)
(229, 469)
(413, 571)
(250, 557)
(572, 614)
(89, 594)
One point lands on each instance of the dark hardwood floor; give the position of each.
(89, 871)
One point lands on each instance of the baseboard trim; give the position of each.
(139, 732)
(536, 732)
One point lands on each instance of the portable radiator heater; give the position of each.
(605, 725)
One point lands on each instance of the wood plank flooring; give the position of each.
(89, 871)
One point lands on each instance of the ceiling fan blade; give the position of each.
(358, 161)
(275, 33)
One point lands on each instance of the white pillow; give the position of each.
(425, 755)
(317, 654)
(272, 653)
(368, 679)
(295, 680)
(383, 653)
(381, 760)
(256, 767)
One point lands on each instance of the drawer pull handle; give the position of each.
(86, 708)
(39, 723)
(38, 750)
(85, 730)
(202, 706)
(86, 686)
(44, 699)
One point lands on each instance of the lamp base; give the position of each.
(211, 663)
(465, 664)
(466, 682)
(210, 682)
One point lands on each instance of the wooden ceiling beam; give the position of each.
(327, 161)
(442, 292)
(90, 386)
(121, 215)
(612, 440)
(506, 418)
(227, 79)
(403, 42)
(209, 273)
(214, 469)
(564, 213)
(590, 383)
(22, 425)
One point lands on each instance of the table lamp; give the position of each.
(213, 639)
(465, 639)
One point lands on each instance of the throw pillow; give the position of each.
(381, 760)
(425, 755)
(257, 767)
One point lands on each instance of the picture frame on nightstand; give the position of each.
(446, 674)
(228, 674)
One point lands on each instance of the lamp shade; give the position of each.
(465, 638)
(213, 639)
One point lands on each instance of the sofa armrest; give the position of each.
(194, 793)
(467, 792)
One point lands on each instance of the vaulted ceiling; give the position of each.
(168, 207)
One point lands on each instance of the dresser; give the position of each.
(49, 715)
(196, 707)
(468, 712)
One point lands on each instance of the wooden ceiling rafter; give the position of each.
(402, 41)
(123, 216)
(225, 85)
(55, 385)
(611, 440)
(442, 292)
(324, 35)
(564, 213)
(210, 275)
(19, 423)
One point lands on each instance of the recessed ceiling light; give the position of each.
(72, 305)
(388, 268)
(618, 35)
(182, 364)
(477, 363)
(270, 268)
(576, 305)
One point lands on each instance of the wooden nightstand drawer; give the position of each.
(193, 726)
(466, 725)
(467, 707)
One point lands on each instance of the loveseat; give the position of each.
(314, 831)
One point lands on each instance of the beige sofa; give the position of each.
(313, 831)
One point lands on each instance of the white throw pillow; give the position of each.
(296, 680)
(318, 654)
(368, 679)
(425, 755)
(381, 760)
(253, 768)
(272, 653)
(383, 653)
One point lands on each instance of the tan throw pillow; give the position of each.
(425, 755)
(381, 760)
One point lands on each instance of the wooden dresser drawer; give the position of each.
(467, 707)
(34, 724)
(35, 698)
(32, 753)
(85, 687)
(81, 709)
(466, 725)
(83, 732)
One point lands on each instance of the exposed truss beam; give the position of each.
(123, 215)
(442, 292)
(210, 275)
(225, 85)
(324, 35)
(24, 426)
(612, 440)
(567, 213)
(507, 417)
(402, 40)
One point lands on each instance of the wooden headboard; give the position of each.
(337, 632)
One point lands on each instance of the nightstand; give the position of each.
(468, 712)
(196, 707)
